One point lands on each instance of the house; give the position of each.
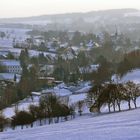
(89, 69)
(46, 70)
(94, 67)
(90, 44)
(46, 80)
(61, 92)
(12, 66)
(64, 45)
(38, 40)
(69, 53)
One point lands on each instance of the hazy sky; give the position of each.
(22, 8)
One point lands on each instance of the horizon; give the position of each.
(51, 14)
(16, 8)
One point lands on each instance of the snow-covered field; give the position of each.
(20, 35)
(115, 126)
(23, 105)
(6, 42)
(133, 75)
(11, 33)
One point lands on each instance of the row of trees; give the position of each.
(113, 95)
(49, 109)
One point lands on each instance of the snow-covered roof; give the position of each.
(10, 62)
(83, 90)
(62, 85)
(59, 90)
(36, 93)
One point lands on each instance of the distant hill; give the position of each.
(71, 16)
(126, 21)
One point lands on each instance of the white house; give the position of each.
(12, 66)
(89, 69)
(61, 91)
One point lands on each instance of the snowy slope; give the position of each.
(19, 35)
(115, 126)
(133, 75)
(23, 105)
(6, 42)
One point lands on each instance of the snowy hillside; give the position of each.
(133, 75)
(12, 33)
(115, 126)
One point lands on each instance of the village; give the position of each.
(34, 64)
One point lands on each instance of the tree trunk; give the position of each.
(40, 122)
(45, 120)
(57, 119)
(129, 105)
(21, 126)
(99, 111)
(109, 107)
(49, 120)
(114, 108)
(119, 105)
(135, 103)
(32, 125)
(1, 128)
(66, 118)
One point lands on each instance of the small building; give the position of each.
(46, 80)
(61, 93)
(69, 53)
(89, 69)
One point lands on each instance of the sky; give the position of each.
(24, 8)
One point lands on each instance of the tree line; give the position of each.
(113, 95)
(50, 109)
